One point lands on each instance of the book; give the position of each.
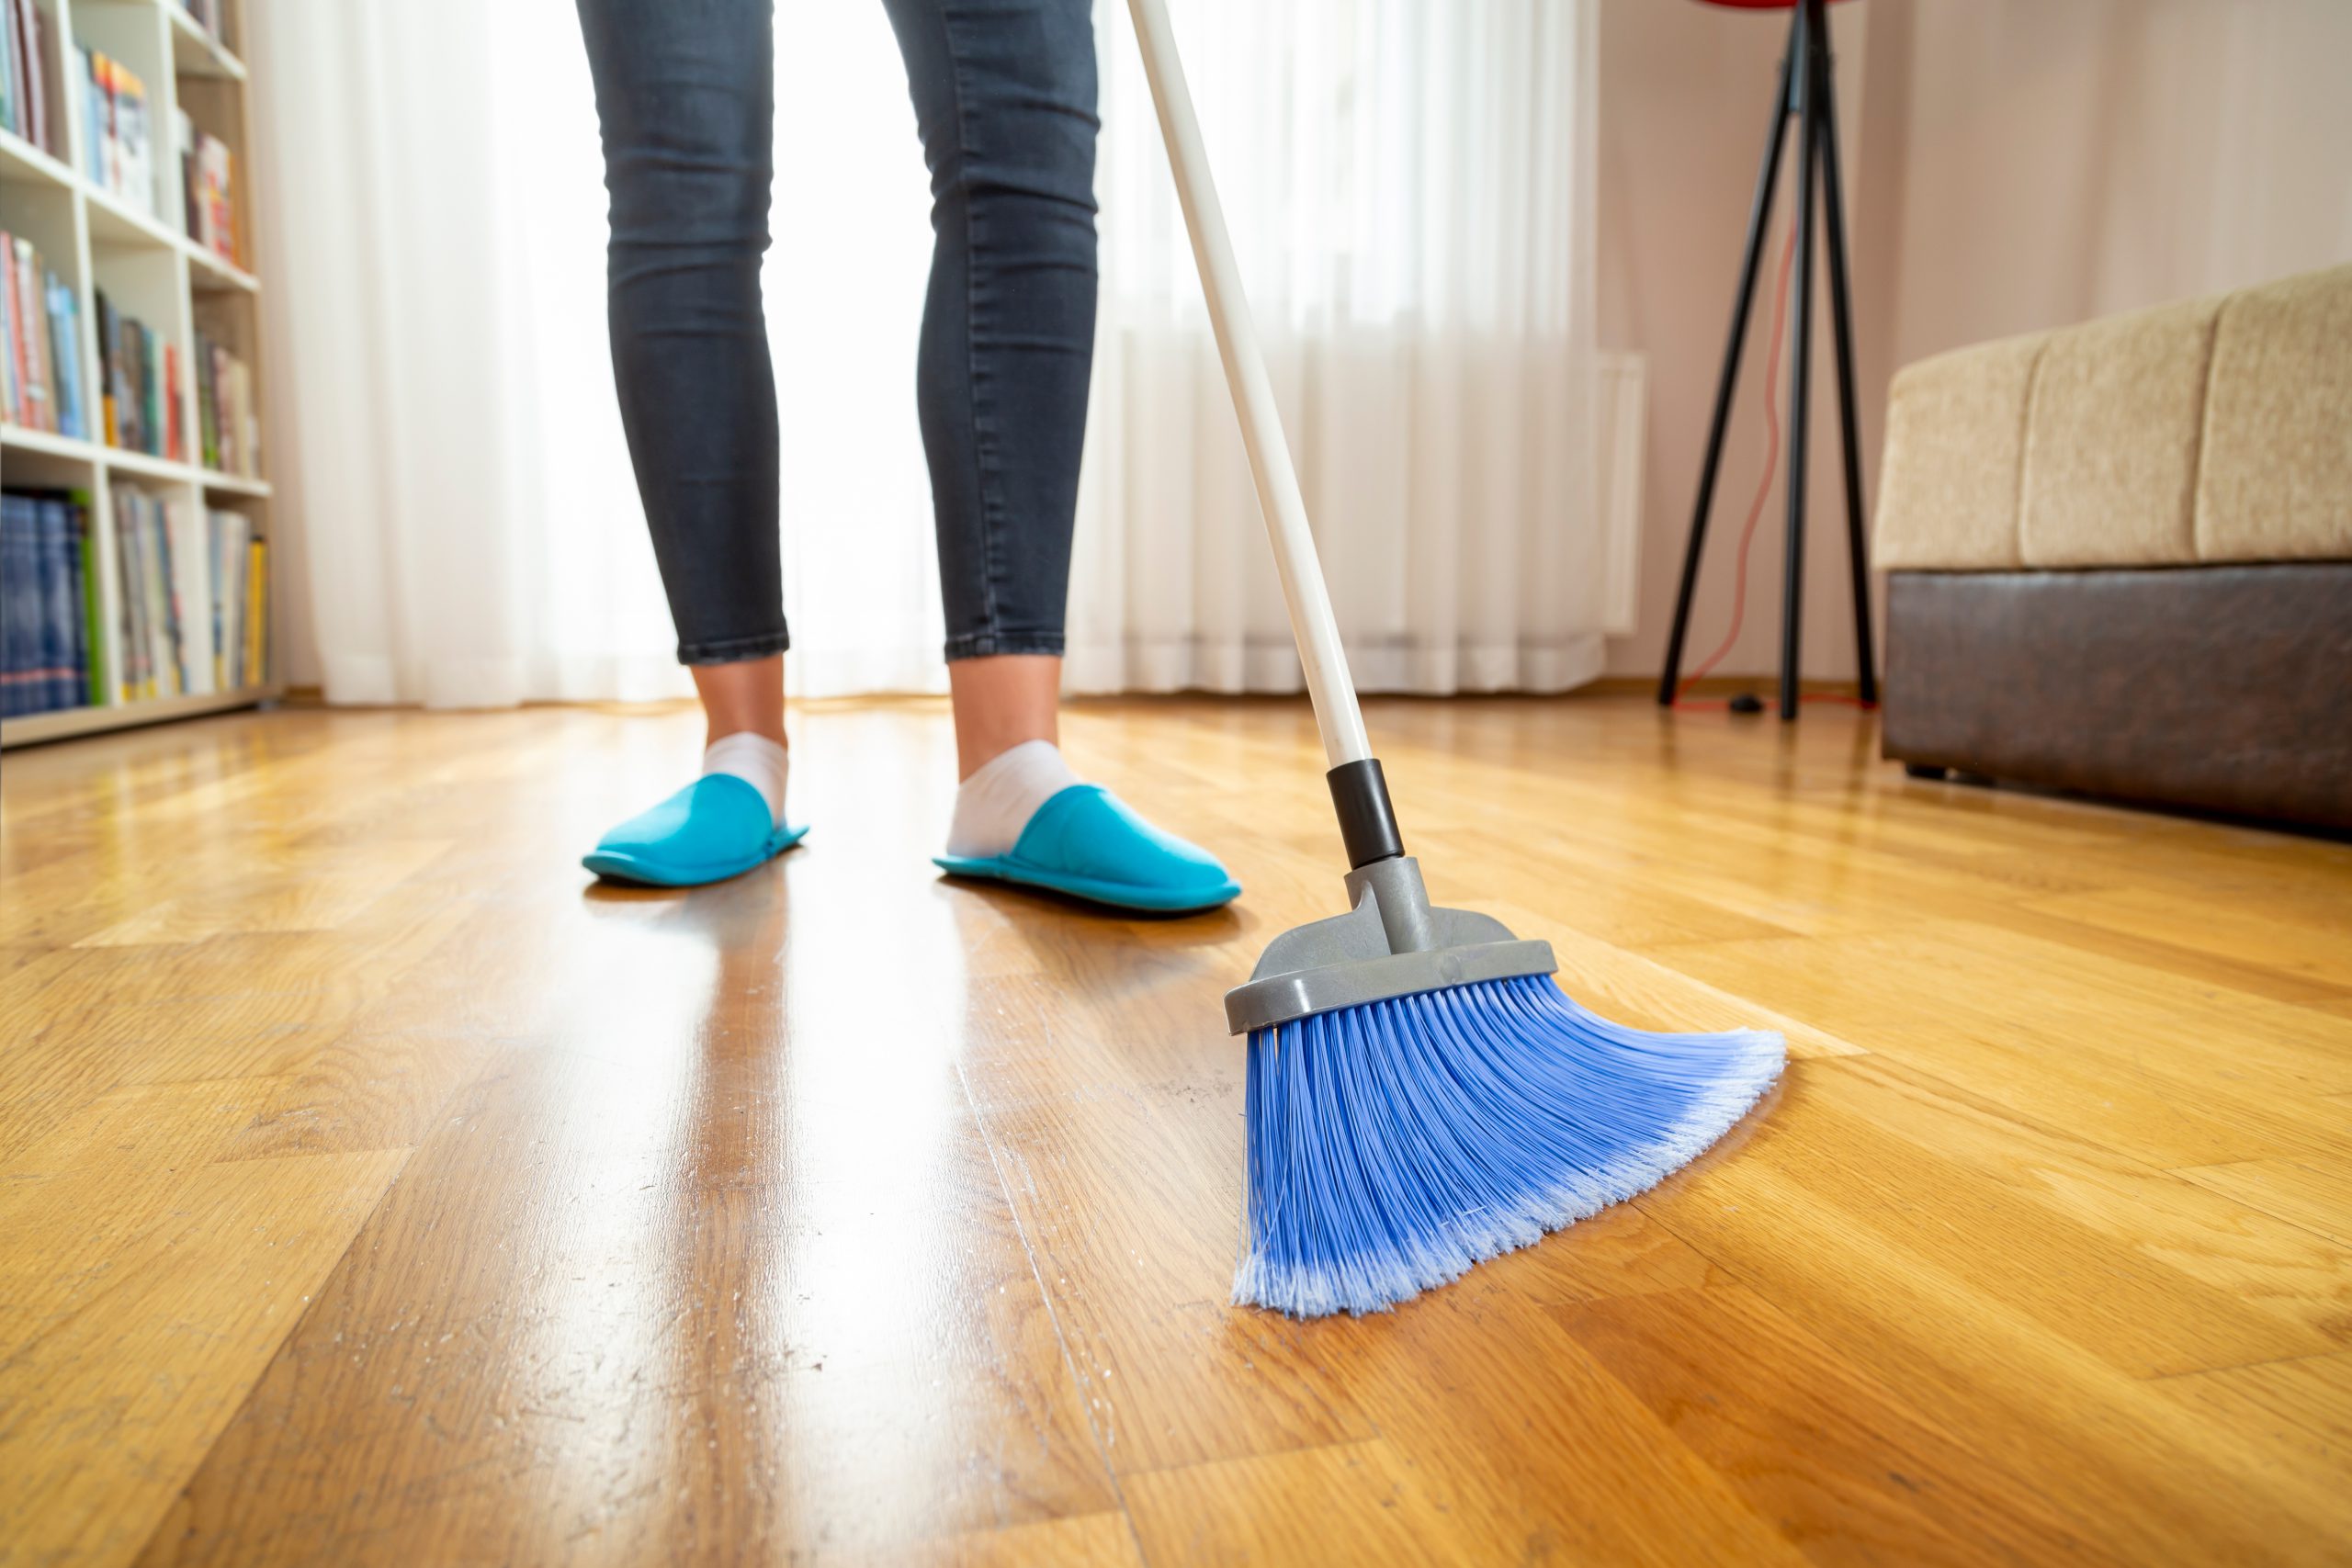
(94, 116)
(26, 337)
(66, 350)
(119, 154)
(109, 418)
(54, 676)
(24, 81)
(193, 608)
(8, 337)
(163, 610)
(142, 387)
(69, 653)
(232, 533)
(209, 178)
(11, 94)
(208, 396)
(46, 649)
(229, 433)
(41, 369)
(141, 405)
(133, 679)
(256, 615)
(16, 372)
(40, 410)
(187, 532)
(93, 615)
(20, 576)
(225, 588)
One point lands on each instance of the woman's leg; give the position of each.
(685, 94)
(1005, 99)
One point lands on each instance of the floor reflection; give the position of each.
(797, 1226)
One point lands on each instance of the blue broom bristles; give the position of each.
(1395, 1145)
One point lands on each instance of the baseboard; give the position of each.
(1765, 685)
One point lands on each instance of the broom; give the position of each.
(1421, 1096)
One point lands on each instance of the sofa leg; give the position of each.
(1926, 770)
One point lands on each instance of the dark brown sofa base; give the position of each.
(2225, 688)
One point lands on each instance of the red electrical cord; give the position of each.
(1763, 493)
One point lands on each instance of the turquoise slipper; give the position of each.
(716, 828)
(1088, 842)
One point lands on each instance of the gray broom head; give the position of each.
(1393, 943)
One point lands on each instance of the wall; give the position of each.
(2012, 164)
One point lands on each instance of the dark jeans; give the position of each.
(1004, 101)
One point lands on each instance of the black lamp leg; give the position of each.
(1810, 26)
(1758, 215)
(1841, 312)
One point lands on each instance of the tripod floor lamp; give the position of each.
(1806, 97)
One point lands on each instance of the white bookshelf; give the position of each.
(95, 240)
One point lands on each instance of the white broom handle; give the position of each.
(1303, 592)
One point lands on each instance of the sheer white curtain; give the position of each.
(1409, 185)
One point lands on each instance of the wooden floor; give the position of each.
(374, 1189)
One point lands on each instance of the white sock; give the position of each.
(996, 803)
(757, 761)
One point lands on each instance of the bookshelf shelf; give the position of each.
(98, 241)
(51, 445)
(66, 723)
(195, 52)
(66, 447)
(20, 159)
(115, 222)
(215, 274)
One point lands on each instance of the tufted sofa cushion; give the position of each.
(2217, 430)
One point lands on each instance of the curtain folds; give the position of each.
(1409, 183)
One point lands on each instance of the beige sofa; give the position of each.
(2119, 556)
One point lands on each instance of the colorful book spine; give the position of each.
(11, 52)
(210, 180)
(25, 96)
(29, 350)
(208, 404)
(131, 682)
(119, 155)
(66, 351)
(109, 422)
(227, 428)
(93, 119)
(256, 615)
(13, 410)
(93, 613)
(140, 406)
(7, 332)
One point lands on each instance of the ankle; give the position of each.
(742, 698)
(714, 732)
(758, 759)
(1001, 701)
(994, 804)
